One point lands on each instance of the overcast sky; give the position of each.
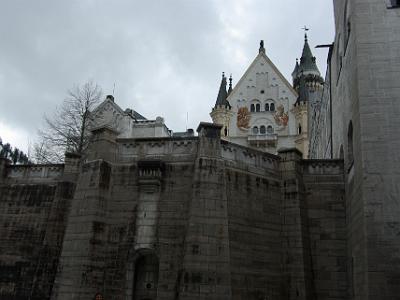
(165, 57)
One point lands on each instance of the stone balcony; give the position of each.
(269, 139)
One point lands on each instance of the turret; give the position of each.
(222, 112)
(295, 73)
(308, 69)
(308, 83)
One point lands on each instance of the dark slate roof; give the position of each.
(296, 69)
(307, 61)
(222, 94)
(138, 116)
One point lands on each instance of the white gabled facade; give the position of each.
(262, 103)
(128, 123)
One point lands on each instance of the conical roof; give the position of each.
(222, 94)
(308, 63)
(296, 69)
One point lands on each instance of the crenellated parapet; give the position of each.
(35, 173)
(323, 167)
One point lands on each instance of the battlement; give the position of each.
(35, 173)
(323, 167)
(165, 148)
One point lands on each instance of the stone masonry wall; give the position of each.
(32, 223)
(326, 211)
(176, 218)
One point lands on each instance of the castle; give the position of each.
(291, 193)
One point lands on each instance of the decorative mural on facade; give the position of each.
(243, 118)
(281, 117)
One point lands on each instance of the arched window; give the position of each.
(98, 297)
(252, 108)
(146, 277)
(299, 129)
(226, 131)
(341, 152)
(258, 107)
(270, 129)
(272, 107)
(262, 129)
(255, 130)
(350, 153)
(266, 106)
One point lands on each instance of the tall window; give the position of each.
(252, 108)
(266, 106)
(299, 129)
(272, 107)
(262, 129)
(350, 153)
(346, 25)
(258, 107)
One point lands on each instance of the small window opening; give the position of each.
(266, 106)
(299, 129)
(255, 130)
(272, 107)
(262, 129)
(270, 129)
(252, 108)
(258, 107)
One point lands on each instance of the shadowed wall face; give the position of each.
(32, 224)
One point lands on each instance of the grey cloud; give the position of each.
(165, 57)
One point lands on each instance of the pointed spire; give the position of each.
(262, 49)
(222, 94)
(307, 61)
(295, 72)
(230, 84)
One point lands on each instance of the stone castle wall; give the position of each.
(179, 218)
(33, 210)
(364, 88)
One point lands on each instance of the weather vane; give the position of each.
(305, 32)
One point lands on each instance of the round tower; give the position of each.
(308, 83)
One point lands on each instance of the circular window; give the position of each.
(262, 92)
(148, 286)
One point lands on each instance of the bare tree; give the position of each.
(68, 128)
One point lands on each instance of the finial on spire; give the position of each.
(223, 75)
(305, 33)
(262, 49)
